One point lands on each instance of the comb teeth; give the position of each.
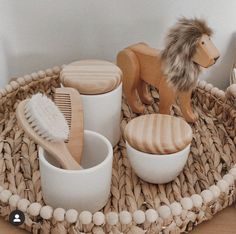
(63, 102)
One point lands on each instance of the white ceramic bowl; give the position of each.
(157, 169)
(102, 113)
(86, 189)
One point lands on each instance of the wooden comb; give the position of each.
(69, 102)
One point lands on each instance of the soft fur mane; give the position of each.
(180, 46)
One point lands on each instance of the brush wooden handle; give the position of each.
(58, 150)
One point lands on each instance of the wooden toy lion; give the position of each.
(173, 71)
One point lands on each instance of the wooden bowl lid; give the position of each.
(91, 76)
(158, 134)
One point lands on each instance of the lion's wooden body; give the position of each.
(142, 65)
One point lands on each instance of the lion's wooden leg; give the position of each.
(143, 92)
(128, 63)
(167, 97)
(186, 107)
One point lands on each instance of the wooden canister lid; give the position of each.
(91, 76)
(158, 134)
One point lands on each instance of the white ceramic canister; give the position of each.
(102, 113)
(157, 169)
(86, 189)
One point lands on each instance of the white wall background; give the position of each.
(39, 34)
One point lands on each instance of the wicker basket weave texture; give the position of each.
(212, 156)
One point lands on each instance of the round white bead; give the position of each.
(14, 84)
(59, 214)
(125, 217)
(71, 216)
(233, 172)
(98, 218)
(223, 185)
(23, 204)
(207, 195)
(176, 208)
(5, 195)
(229, 179)
(8, 88)
(164, 212)
(49, 72)
(151, 215)
(13, 200)
(34, 209)
(139, 216)
(85, 217)
(28, 78)
(208, 87)
(215, 91)
(215, 190)
(34, 76)
(202, 84)
(20, 80)
(186, 203)
(112, 218)
(191, 216)
(197, 200)
(46, 212)
(41, 74)
(221, 94)
(56, 69)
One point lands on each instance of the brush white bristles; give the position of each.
(46, 119)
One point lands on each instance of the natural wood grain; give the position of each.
(158, 134)
(69, 102)
(91, 76)
(58, 150)
(222, 223)
(142, 65)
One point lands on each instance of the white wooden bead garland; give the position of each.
(223, 185)
(98, 218)
(151, 215)
(207, 195)
(229, 179)
(34, 209)
(46, 212)
(13, 200)
(71, 216)
(59, 214)
(125, 217)
(23, 204)
(164, 212)
(112, 218)
(85, 217)
(186, 203)
(197, 200)
(5, 195)
(176, 208)
(233, 172)
(215, 191)
(139, 216)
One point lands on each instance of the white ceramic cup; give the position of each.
(102, 113)
(86, 189)
(157, 169)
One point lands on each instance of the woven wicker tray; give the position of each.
(206, 185)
